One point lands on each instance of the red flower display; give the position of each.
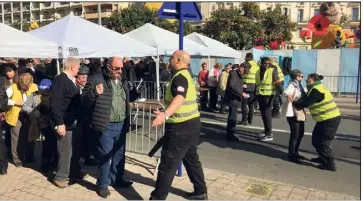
(319, 24)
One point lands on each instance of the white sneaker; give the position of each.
(261, 134)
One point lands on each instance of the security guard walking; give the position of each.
(247, 106)
(182, 130)
(268, 83)
(325, 112)
(277, 98)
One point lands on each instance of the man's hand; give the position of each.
(245, 86)
(290, 98)
(19, 103)
(160, 119)
(244, 95)
(61, 130)
(2, 116)
(99, 89)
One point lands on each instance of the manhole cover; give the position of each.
(260, 189)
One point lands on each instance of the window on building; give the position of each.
(285, 11)
(299, 29)
(269, 8)
(299, 15)
(355, 14)
(316, 12)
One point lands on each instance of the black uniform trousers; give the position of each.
(276, 104)
(231, 122)
(265, 106)
(3, 152)
(213, 98)
(179, 145)
(297, 129)
(322, 135)
(247, 107)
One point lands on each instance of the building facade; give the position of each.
(299, 12)
(11, 12)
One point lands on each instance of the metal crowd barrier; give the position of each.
(149, 89)
(341, 86)
(142, 136)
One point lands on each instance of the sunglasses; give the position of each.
(115, 68)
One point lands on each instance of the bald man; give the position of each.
(182, 130)
(107, 94)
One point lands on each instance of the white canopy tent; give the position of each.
(78, 37)
(15, 43)
(165, 41)
(216, 48)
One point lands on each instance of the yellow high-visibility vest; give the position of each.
(279, 70)
(265, 87)
(327, 108)
(189, 109)
(249, 78)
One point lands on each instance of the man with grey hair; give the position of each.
(108, 95)
(64, 106)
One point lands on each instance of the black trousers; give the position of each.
(222, 105)
(322, 135)
(265, 106)
(231, 123)
(69, 153)
(213, 98)
(179, 145)
(3, 152)
(247, 107)
(49, 148)
(276, 104)
(204, 99)
(297, 129)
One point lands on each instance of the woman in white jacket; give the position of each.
(295, 118)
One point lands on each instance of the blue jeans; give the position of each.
(110, 155)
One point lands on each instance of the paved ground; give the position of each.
(28, 184)
(267, 160)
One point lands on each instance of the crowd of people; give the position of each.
(84, 113)
(249, 84)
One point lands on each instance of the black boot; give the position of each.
(293, 158)
(196, 196)
(331, 166)
(3, 168)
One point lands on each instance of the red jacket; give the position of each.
(202, 77)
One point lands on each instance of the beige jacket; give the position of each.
(222, 83)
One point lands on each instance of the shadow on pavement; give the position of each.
(215, 135)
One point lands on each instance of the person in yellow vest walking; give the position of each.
(22, 150)
(247, 106)
(182, 131)
(267, 82)
(277, 101)
(325, 112)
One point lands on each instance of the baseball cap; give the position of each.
(45, 84)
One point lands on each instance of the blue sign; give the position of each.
(171, 10)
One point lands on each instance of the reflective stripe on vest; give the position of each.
(280, 73)
(327, 108)
(189, 109)
(249, 78)
(265, 87)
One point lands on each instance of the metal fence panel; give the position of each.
(142, 136)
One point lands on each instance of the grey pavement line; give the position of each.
(343, 136)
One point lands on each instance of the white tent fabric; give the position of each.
(81, 38)
(165, 41)
(15, 43)
(216, 48)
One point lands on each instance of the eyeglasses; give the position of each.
(266, 63)
(114, 68)
(300, 76)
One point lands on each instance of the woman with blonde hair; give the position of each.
(21, 149)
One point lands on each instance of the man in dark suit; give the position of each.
(64, 105)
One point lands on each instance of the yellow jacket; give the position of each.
(11, 117)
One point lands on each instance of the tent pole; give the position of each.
(157, 76)
(209, 62)
(58, 68)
